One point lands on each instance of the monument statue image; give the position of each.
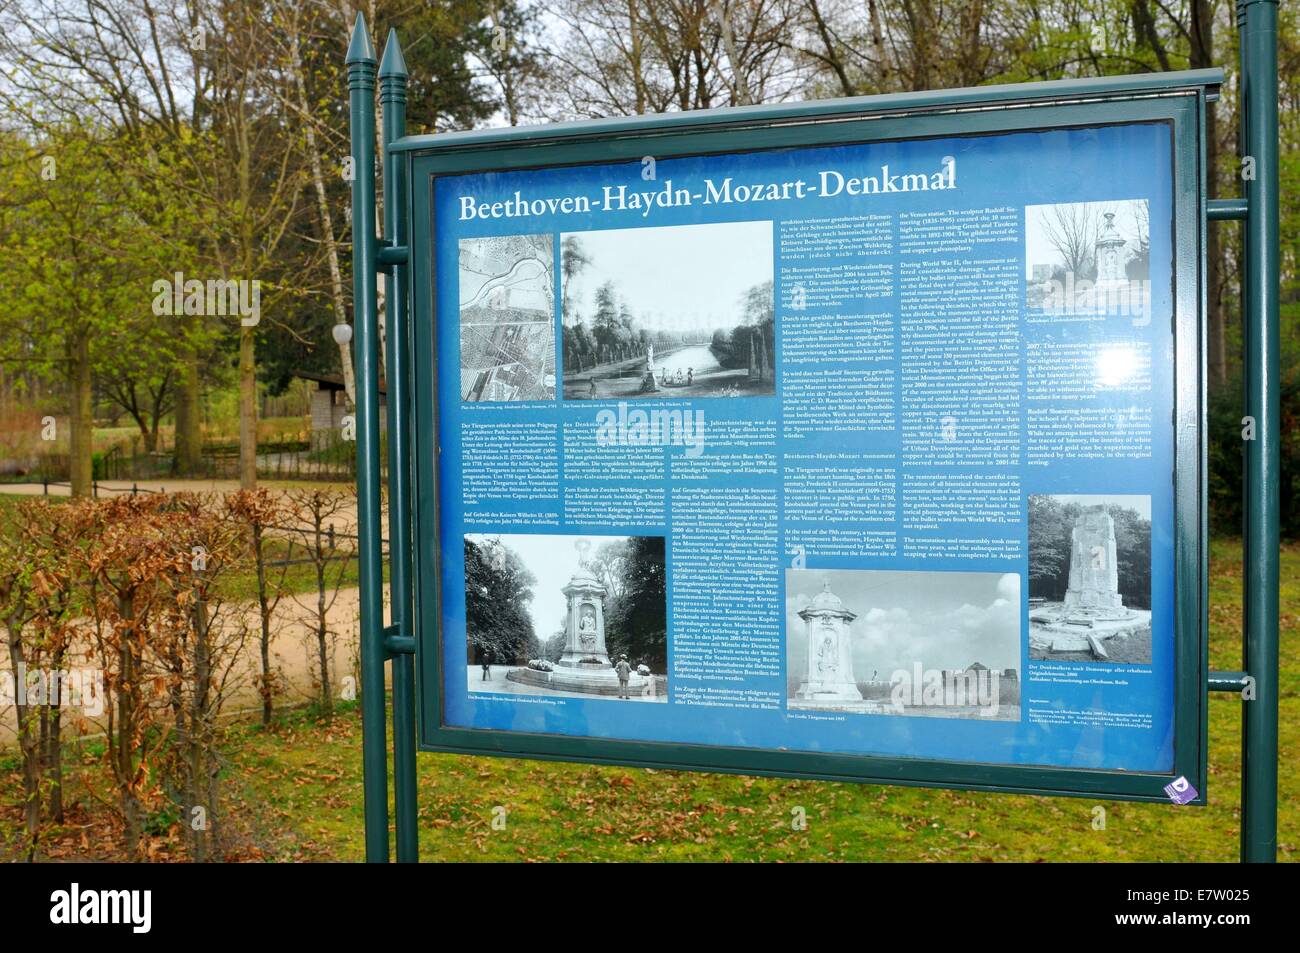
(1088, 257)
(585, 665)
(648, 382)
(830, 650)
(1094, 569)
(1109, 255)
(1093, 590)
(585, 626)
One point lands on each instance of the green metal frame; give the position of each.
(411, 164)
(1257, 20)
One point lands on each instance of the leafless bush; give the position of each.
(260, 511)
(167, 646)
(316, 510)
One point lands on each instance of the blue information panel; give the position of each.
(860, 449)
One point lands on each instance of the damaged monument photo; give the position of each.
(1090, 578)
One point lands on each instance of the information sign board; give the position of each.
(860, 447)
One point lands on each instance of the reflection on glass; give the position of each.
(1117, 365)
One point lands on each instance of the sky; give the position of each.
(677, 277)
(552, 560)
(940, 619)
(1139, 504)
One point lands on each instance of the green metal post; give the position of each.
(392, 99)
(374, 747)
(1263, 459)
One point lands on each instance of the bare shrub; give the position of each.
(261, 511)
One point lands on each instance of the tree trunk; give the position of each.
(189, 441)
(82, 422)
(264, 610)
(971, 17)
(247, 410)
(158, 407)
(123, 754)
(323, 211)
(54, 745)
(638, 80)
(322, 632)
(884, 83)
(198, 734)
(27, 743)
(326, 694)
(830, 56)
(740, 91)
(1202, 56)
(921, 38)
(268, 705)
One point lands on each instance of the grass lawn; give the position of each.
(297, 578)
(268, 428)
(305, 778)
(294, 793)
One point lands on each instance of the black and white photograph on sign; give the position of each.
(1090, 578)
(507, 318)
(1089, 259)
(577, 616)
(672, 311)
(927, 644)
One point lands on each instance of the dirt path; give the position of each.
(345, 520)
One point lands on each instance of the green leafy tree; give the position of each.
(573, 261)
(1049, 547)
(1133, 555)
(75, 268)
(637, 622)
(498, 589)
(605, 321)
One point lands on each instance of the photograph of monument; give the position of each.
(576, 616)
(1090, 578)
(1089, 258)
(924, 644)
(672, 311)
(507, 318)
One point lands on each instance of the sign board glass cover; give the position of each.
(859, 449)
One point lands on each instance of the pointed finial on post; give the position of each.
(393, 63)
(392, 89)
(360, 49)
